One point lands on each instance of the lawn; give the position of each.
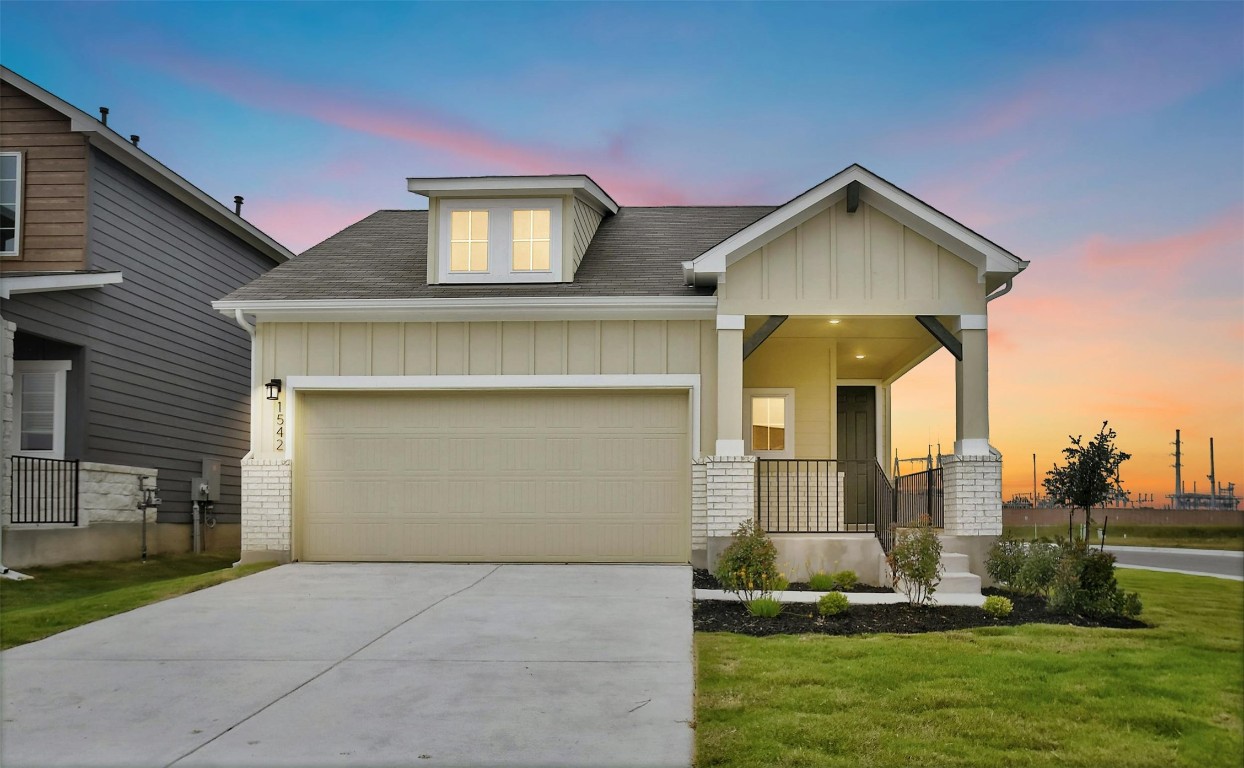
(1181, 536)
(1038, 695)
(63, 597)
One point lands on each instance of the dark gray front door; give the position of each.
(857, 451)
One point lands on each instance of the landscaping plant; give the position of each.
(821, 582)
(915, 562)
(1085, 585)
(1090, 477)
(998, 606)
(748, 566)
(1038, 569)
(832, 604)
(764, 607)
(844, 580)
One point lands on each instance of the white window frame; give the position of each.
(17, 217)
(500, 240)
(59, 367)
(788, 396)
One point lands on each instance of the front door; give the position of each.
(857, 452)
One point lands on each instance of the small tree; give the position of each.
(1090, 477)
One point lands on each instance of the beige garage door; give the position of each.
(590, 476)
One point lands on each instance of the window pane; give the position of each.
(458, 257)
(540, 255)
(8, 192)
(777, 439)
(8, 240)
(479, 225)
(8, 166)
(768, 423)
(522, 225)
(459, 225)
(36, 441)
(522, 255)
(8, 216)
(540, 225)
(479, 254)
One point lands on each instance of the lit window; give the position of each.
(39, 406)
(768, 423)
(468, 241)
(10, 201)
(531, 241)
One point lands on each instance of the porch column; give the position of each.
(729, 385)
(972, 477)
(972, 388)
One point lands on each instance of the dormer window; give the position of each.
(506, 240)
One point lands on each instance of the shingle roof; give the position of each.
(635, 252)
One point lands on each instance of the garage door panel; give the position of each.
(509, 476)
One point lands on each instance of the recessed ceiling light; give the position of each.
(859, 357)
(834, 321)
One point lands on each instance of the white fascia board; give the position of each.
(113, 144)
(481, 308)
(70, 281)
(535, 185)
(880, 194)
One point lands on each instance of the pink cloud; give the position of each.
(299, 223)
(1160, 257)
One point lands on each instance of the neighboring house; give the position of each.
(527, 371)
(115, 367)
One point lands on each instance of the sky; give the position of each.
(1102, 142)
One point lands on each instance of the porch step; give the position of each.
(956, 578)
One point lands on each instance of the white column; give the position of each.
(729, 385)
(972, 388)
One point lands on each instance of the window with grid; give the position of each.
(532, 241)
(468, 241)
(10, 201)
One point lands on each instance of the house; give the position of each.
(117, 374)
(527, 371)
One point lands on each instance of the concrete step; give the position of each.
(959, 583)
(952, 563)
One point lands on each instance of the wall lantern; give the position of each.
(274, 389)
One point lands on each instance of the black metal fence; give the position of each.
(44, 490)
(919, 495)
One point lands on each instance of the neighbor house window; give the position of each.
(39, 407)
(10, 201)
(531, 241)
(504, 240)
(468, 241)
(770, 416)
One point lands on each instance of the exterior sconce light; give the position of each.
(274, 389)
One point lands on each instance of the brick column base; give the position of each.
(730, 496)
(973, 495)
(267, 509)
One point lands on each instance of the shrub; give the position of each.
(748, 567)
(1084, 585)
(764, 607)
(832, 604)
(998, 606)
(1005, 559)
(844, 580)
(821, 582)
(1038, 569)
(915, 562)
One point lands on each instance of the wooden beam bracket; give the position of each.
(762, 333)
(942, 334)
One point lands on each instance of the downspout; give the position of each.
(249, 327)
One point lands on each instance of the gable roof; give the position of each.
(109, 141)
(988, 257)
(636, 252)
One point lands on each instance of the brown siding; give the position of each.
(54, 170)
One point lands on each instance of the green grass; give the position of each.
(63, 597)
(1036, 695)
(1182, 536)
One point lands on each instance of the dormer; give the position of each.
(510, 229)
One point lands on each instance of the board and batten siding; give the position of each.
(165, 377)
(489, 348)
(52, 217)
(862, 263)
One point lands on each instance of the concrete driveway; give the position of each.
(386, 664)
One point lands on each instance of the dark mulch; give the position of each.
(902, 619)
(703, 579)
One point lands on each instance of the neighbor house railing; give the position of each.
(44, 490)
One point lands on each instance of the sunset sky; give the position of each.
(1103, 142)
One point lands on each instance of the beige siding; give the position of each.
(495, 476)
(805, 365)
(864, 263)
(54, 172)
(482, 348)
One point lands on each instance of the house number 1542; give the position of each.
(280, 427)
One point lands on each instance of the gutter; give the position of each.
(478, 308)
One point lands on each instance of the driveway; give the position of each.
(361, 664)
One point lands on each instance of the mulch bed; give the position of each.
(703, 579)
(902, 619)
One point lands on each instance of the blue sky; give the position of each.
(1101, 141)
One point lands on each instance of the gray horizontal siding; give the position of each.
(166, 378)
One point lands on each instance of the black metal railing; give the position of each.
(817, 495)
(44, 490)
(919, 495)
(887, 509)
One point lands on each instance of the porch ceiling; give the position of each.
(890, 345)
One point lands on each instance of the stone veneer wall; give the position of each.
(112, 493)
(973, 495)
(267, 508)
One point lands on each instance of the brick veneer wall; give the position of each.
(973, 495)
(730, 491)
(267, 505)
(699, 504)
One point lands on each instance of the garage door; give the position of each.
(543, 475)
